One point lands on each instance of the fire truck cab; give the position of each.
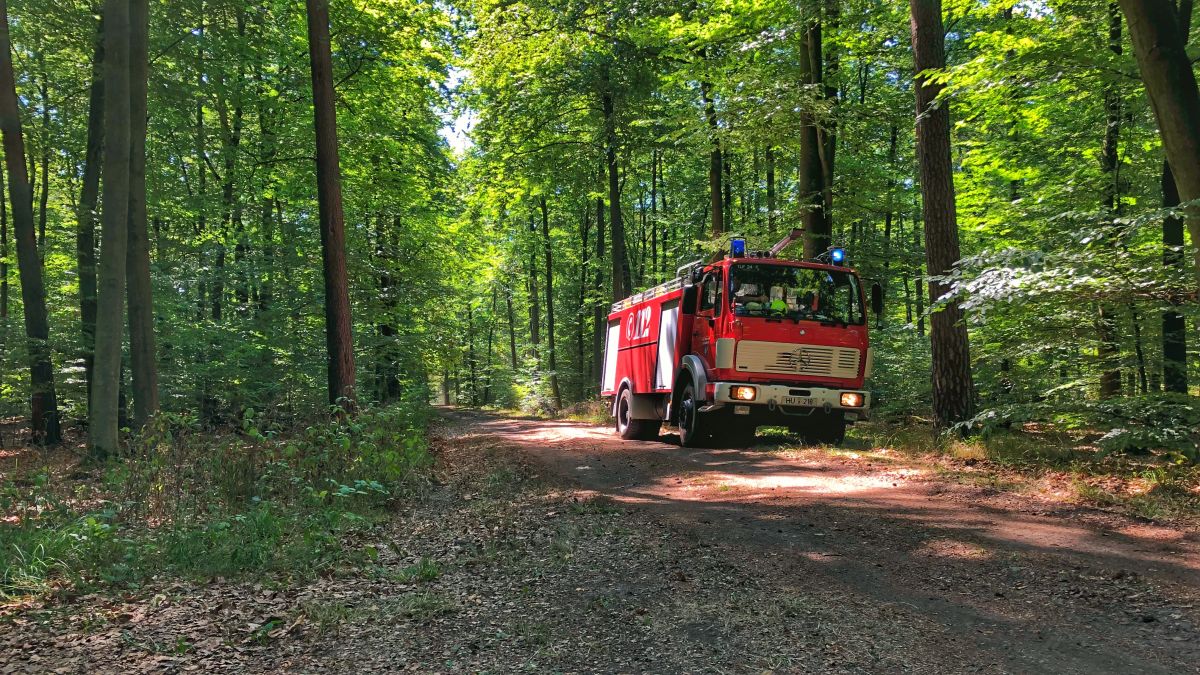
(750, 340)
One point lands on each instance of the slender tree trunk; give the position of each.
(817, 235)
(771, 196)
(726, 166)
(654, 267)
(43, 401)
(512, 330)
(472, 371)
(89, 196)
(535, 309)
(114, 237)
(339, 339)
(1138, 351)
(44, 188)
(1109, 352)
(487, 368)
(891, 198)
(1174, 326)
(583, 364)
(953, 390)
(620, 263)
(919, 279)
(599, 325)
(1157, 34)
(202, 184)
(3, 249)
(827, 132)
(715, 162)
(142, 352)
(550, 345)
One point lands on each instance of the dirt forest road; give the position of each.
(926, 575)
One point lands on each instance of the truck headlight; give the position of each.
(851, 399)
(743, 393)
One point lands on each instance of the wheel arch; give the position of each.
(691, 369)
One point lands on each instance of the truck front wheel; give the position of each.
(693, 427)
(631, 429)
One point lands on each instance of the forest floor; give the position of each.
(554, 546)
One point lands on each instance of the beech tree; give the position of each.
(142, 352)
(43, 401)
(104, 421)
(1158, 42)
(953, 390)
(339, 339)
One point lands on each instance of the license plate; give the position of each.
(802, 401)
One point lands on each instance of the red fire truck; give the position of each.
(751, 340)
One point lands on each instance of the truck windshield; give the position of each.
(797, 293)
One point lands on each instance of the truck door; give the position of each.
(704, 333)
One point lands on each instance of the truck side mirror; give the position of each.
(877, 298)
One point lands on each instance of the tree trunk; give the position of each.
(142, 352)
(715, 162)
(114, 237)
(891, 199)
(584, 365)
(827, 132)
(89, 196)
(3, 250)
(771, 197)
(953, 390)
(487, 368)
(44, 188)
(1158, 44)
(620, 264)
(1109, 351)
(339, 339)
(550, 356)
(512, 330)
(728, 183)
(43, 401)
(535, 309)
(599, 325)
(817, 235)
(472, 371)
(654, 267)
(1174, 327)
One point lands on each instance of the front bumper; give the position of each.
(789, 400)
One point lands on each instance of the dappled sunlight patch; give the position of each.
(824, 483)
(952, 549)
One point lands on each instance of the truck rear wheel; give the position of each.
(631, 429)
(693, 425)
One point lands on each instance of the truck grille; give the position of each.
(791, 359)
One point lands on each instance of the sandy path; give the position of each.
(986, 580)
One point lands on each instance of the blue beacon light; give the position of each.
(737, 248)
(838, 256)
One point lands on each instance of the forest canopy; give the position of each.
(506, 170)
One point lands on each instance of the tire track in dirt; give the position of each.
(990, 584)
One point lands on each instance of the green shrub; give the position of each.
(254, 502)
(1168, 423)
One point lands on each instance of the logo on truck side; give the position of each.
(637, 324)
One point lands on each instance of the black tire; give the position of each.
(631, 429)
(693, 425)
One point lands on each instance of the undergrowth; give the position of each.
(1157, 484)
(181, 502)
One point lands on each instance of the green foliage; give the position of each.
(251, 505)
(1167, 422)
